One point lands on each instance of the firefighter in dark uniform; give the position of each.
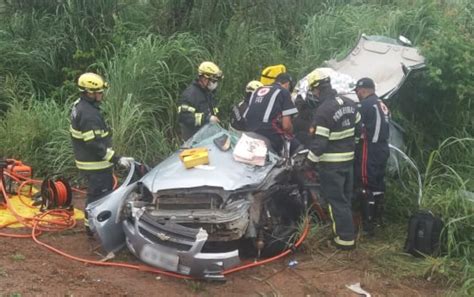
(372, 153)
(197, 105)
(92, 140)
(237, 120)
(270, 110)
(306, 103)
(337, 123)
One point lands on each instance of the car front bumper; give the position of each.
(174, 247)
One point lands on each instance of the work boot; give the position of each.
(367, 210)
(342, 247)
(379, 210)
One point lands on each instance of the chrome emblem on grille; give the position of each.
(163, 236)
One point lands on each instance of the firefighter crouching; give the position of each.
(372, 153)
(197, 105)
(92, 140)
(337, 123)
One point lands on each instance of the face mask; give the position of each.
(212, 85)
(312, 100)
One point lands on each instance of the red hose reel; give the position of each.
(56, 193)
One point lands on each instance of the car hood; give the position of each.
(385, 60)
(222, 172)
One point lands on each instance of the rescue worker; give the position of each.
(270, 110)
(92, 140)
(197, 105)
(236, 118)
(372, 153)
(337, 123)
(303, 122)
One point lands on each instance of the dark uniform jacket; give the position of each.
(372, 151)
(237, 120)
(375, 118)
(266, 107)
(91, 137)
(195, 108)
(337, 124)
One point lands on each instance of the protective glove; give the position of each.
(126, 161)
(213, 119)
(312, 158)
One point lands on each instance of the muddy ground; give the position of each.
(27, 269)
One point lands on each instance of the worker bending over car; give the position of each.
(270, 110)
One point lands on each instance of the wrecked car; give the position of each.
(199, 221)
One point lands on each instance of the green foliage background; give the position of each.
(149, 50)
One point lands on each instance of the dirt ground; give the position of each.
(27, 269)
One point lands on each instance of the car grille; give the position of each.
(194, 201)
(169, 235)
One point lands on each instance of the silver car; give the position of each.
(198, 221)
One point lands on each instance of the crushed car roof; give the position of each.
(222, 172)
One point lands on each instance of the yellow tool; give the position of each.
(194, 157)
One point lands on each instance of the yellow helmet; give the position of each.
(316, 77)
(210, 70)
(252, 86)
(91, 82)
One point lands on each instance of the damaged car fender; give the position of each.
(104, 214)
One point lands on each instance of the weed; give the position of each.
(196, 286)
(17, 257)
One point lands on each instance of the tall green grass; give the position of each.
(333, 31)
(37, 132)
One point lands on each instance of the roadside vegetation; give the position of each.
(149, 50)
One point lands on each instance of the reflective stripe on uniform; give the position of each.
(101, 133)
(342, 134)
(268, 111)
(94, 165)
(186, 108)
(332, 219)
(89, 135)
(339, 241)
(110, 153)
(336, 157)
(289, 111)
(198, 118)
(378, 123)
(312, 157)
(358, 117)
(322, 131)
(75, 133)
